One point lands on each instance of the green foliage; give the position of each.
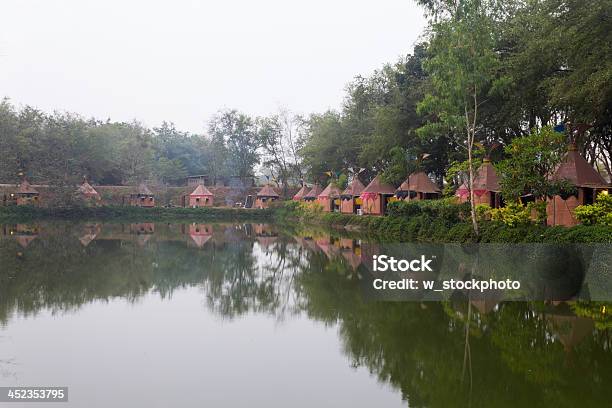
(425, 221)
(82, 213)
(483, 212)
(598, 213)
(512, 215)
(531, 161)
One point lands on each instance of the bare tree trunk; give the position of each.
(471, 135)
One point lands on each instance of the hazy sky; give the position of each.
(182, 60)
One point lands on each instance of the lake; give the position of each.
(235, 315)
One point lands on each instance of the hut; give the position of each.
(350, 201)
(265, 196)
(200, 197)
(88, 192)
(25, 234)
(26, 194)
(313, 193)
(418, 186)
(327, 198)
(486, 187)
(375, 197)
(588, 182)
(300, 194)
(143, 197)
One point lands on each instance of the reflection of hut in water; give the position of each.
(486, 187)
(351, 251)
(24, 234)
(144, 231)
(329, 198)
(310, 244)
(350, 201)
(588, 182)
(376, 196)
(88, 193)
(418, 186)
(301, 193)
(265, 196)
(200, 234)
(143, 197)
(26, 194)
(327, 244)
(90, 233)
(265, 235)
(568, 328)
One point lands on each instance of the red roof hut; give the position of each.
(143, 197)
(265, 196)
(418, 186)
(300, 194)
(375, 197)
(88, 192)
(350, 201)
(313, 193)
(200, 197)
(576, 170)
(486, 187)
(327, 198)
(26, 194)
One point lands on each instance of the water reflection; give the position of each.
(473, 350)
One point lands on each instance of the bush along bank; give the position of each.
(120, 213)
(444, 221)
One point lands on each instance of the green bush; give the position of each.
(512, 215)
(598, 213)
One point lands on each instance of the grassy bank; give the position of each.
(121, 213)
(443, 222)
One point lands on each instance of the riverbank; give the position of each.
(438, 222)
(121, 213)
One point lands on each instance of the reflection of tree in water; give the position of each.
(520, 354)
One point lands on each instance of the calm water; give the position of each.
(158, 315)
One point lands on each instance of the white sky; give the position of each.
(182, 60)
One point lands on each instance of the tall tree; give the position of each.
(462, 67)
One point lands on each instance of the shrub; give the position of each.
(512, 215)
(598, 213)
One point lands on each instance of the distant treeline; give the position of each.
(62, 148)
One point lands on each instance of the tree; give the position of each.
(462, 67)
(238, 133)
(531, 161)
(279, 141)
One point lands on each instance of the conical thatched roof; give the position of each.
(300, 194)
(314, 192)
(377, 186)
(578, 171)
(330, 191)
(419, 182)
(202, 191)
(267, 191)
(26, 188)
(485, 179)
(144, 190)
(354, 189)
(87, 190)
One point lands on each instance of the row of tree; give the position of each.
(488, 72)
(61, 148)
